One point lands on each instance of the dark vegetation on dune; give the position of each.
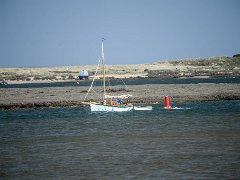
(215, 67)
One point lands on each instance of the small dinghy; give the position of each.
(142, 108)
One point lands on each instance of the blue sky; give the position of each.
(40, 33)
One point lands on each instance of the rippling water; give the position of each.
(195, 140)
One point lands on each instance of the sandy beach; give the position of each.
(12, 98)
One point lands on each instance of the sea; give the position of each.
(193, 140)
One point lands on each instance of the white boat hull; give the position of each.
(105, 108)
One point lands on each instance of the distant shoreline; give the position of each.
(12, 98)
(195, 68)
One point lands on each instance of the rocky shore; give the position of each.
(14, 98)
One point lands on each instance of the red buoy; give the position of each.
(167, 103)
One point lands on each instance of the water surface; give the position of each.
(128, 82)
(193, 141)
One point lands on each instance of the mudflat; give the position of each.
(12, 98)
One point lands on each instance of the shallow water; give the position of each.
(128, 82)
(194, 140)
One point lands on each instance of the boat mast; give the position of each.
(103, 69)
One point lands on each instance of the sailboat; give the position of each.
(109, 103)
